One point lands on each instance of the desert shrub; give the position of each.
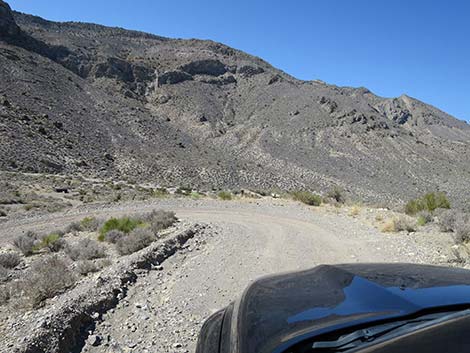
(47, 277)
(462, 232)
(90, 224)
(91, 266)
(5, 294)
(355, 210)
(52, 242)
(113, 236)
(429, 202)
(134, 241)
(448, 220)
(184, 190)
(4, 273)
(336, 194)
(225, 195)
(25, 243)
(398, 224)
(307, 198)
(9, 260)
(74, 227)
(160, 192)
(124, 224)
(424, 217)
(87, 266)
(160, 220)
(85, 249)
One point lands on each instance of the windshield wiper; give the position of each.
(363, 336)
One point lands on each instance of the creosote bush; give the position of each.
(124, 224)
(307, 198)
(136, 240)
(225, 195)
(85, 249)
(47, 277)
(429, 202)
(9, 260)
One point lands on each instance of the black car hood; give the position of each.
(278, 311)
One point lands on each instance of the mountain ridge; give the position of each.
(114, 103)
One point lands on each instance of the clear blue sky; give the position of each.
(417, 47)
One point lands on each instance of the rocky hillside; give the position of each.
(112, 103)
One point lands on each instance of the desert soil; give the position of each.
(165, 309)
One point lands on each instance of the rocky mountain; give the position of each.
(86, 99)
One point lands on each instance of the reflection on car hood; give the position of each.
(279, 311)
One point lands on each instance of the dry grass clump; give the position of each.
(9, 260)
(355, 210)
(85, 249)
(398, 224)
(47, 277)
(136, 240)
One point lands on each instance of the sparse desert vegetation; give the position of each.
(428, 202)
(57, 259)
(307, 198)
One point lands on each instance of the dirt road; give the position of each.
(165, 309)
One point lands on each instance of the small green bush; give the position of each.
(53, 242)
(429, 202)
(307, 198)
(124, 224)
(225, 195)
